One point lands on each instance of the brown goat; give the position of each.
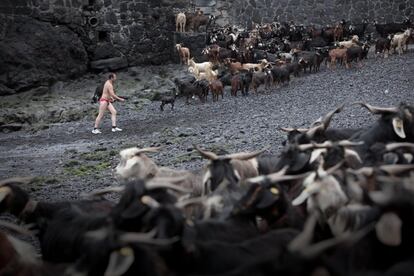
(212, 52)
(235, 84)
(216, 88)
(233, 66)
(338, 32)
(340, 54)
(200, 20)
(184, 54)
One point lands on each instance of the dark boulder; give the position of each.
(34, 53)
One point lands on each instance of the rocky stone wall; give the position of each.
(320, 12)
(68, 37)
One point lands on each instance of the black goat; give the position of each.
(168, 100)
(245, 80)
(395, 125)
(392, 28)
(17, 202)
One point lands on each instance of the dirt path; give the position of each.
(68, 159)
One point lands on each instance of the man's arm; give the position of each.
(112, 94)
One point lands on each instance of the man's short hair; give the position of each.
(111, 76)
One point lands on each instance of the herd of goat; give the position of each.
(333, 201)
(270, 54)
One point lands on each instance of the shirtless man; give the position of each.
(105, 102)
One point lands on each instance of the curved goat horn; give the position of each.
(323, 122)
(243, 155)
(378, 110)
(393, 146)
(206, 154)
(326, 120)
(273, 178)
(347, 143)
(261, 178)
(303, 147)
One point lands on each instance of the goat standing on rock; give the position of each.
(184, 53)
(180, 21)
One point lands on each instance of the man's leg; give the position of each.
(111, 109)
(102, 107)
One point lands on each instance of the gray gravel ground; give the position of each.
(68, 159)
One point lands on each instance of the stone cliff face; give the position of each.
(46, 40)
(320, 12)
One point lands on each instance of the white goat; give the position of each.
(349, 43)
(180, 22)
(200, 67)
(399, 41)
(259, 66)
(134, 164)
(209, 75)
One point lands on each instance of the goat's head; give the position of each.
(399, 118)
(265, 197)
(134, 164)
(224, 169)
(257, 201)
(316, 132)
(322, 192)
(334, 153)
(139, 197)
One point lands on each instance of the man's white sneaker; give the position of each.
(96, 131)
(115, 129)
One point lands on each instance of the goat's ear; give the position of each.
(4, 192)
(120, 261)
(398, 126)
(388, 229)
